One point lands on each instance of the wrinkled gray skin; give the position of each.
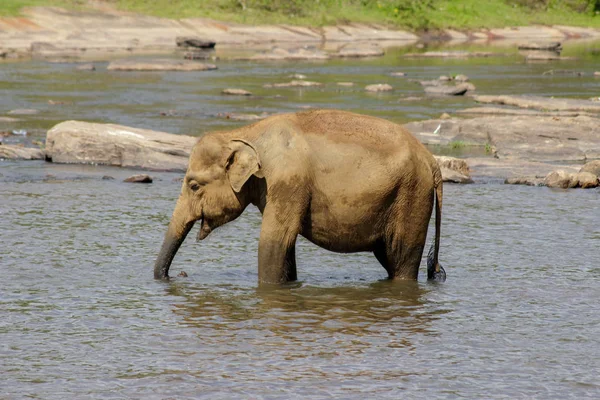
(344, 181)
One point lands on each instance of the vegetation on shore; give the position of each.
(411, 14)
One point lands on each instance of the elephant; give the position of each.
(344, 181)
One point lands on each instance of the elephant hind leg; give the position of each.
(400, 260)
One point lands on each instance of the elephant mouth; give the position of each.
(204, 230)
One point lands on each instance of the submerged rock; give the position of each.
(452, 54)
(293, 84)
(244, 117)
(141, 178)
(353, 51)
(24, 111)
(85, 67)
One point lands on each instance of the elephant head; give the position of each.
(215, 190)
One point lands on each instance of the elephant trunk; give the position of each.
(176, 234)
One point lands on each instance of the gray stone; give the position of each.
(452, 176)
(158, 65)
(278, 53)
(560, 179)
(534, 180)
(541, 103)
(398, 73)
(293, 84)
(24, 111)
(444, 90)
(461, 78)
(236, 92)
(451, 54)
(346, 84)
(554, 46)
(141, 178)
(12, 152)
(533, 138)
(592, 167)
(454, 164)
(90, 143)
(586, 180)
(245, 117)
(379, 87)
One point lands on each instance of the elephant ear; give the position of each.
(242, 163)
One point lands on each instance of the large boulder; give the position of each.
(533, 138)
(12, 152)
(454, 170)
(109, 144)
(566, 180)
(592, 167)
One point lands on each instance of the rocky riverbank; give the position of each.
(49, 32)
(532, 150)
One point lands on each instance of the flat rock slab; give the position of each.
(443, 90)
(518, 111)
(159, 65)
(295, 83)
(359, 51)
(542, 103)
(534, 138)
(11, 152)
(280, 54)
(89, 143)
(452, 54)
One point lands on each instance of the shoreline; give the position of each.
(47, 31)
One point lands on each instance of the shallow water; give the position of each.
(81, 316)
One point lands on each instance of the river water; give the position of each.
(81, 316)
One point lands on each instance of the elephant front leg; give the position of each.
(277, 247)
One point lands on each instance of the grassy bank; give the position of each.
(411, 14)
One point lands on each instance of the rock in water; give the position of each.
(236, 92)
(592, 167)
(193, 41)
(142, 178)
(379, 87)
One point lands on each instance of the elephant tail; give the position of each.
(434, 269)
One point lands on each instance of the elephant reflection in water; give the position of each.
(394, 308)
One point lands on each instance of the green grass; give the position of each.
(411, 14)
(12, 8)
